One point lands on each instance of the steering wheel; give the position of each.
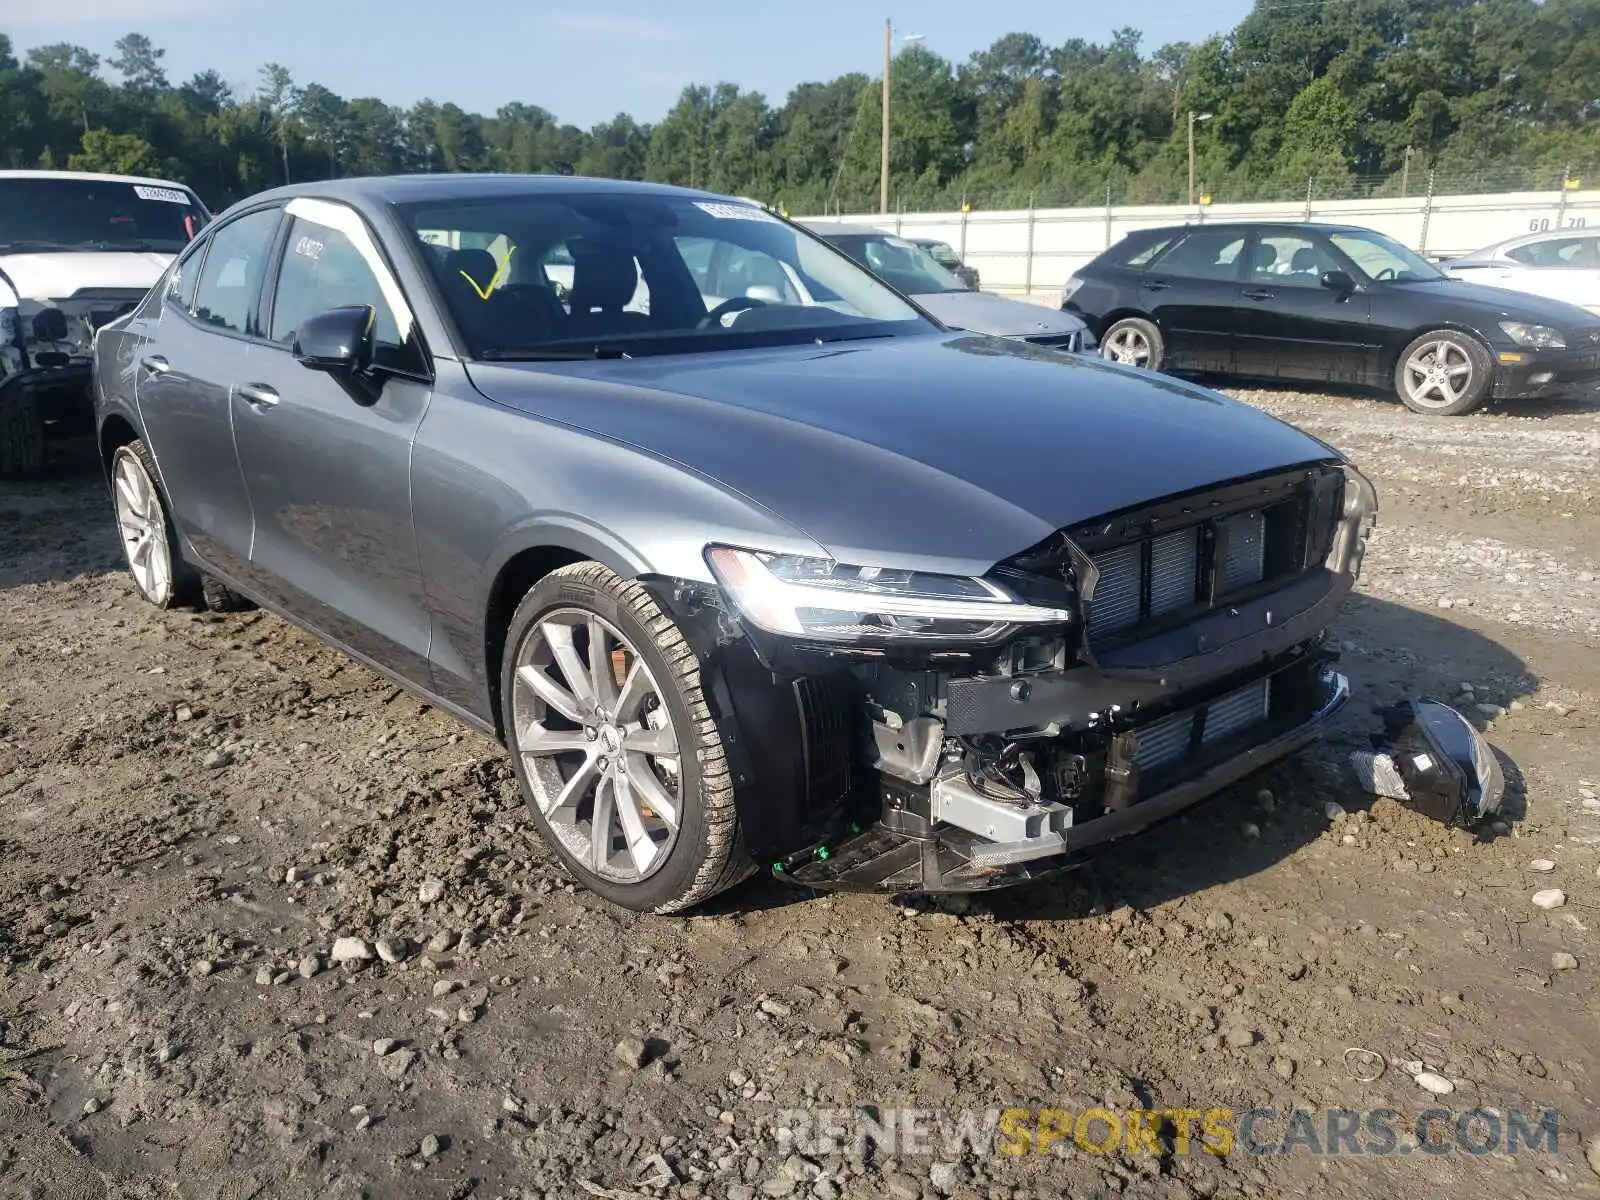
(1386, 273)
(731, 305)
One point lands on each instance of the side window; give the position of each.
(232, 272)
(1554, 252)
(1204, 255)
(184, 277)
(322, 269)
(1290, 258)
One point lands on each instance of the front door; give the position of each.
(186, 372)
(328, 468)
(1290, 326)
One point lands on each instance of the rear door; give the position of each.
(185, 375)
(328, 467)
(1191, 291)
(1291, 327)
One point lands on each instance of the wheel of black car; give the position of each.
(1443, 374)
(149, 540)
(220, 598)
(1134, 342)
(21, 437)
(619, 760)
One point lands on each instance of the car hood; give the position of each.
(935, 452)
(51, 277)
(984, 312)
(1501, 303)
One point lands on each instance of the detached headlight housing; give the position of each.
(819, 599)
(1534, 337)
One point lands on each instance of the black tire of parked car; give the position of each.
(218, 597)
(1135, 330)
(22, 449)
(185, 589)
(709, 855)
(1477, 390)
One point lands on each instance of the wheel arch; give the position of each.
(1392, 358)
(522, 563)
(116, 431)
(1122, 313)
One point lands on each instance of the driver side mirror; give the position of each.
(1338, 281)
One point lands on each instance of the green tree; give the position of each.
(115, 154)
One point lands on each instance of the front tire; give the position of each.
(1443, 374)
(620, 763)
(1134, 342)
(149, 540)
(22, 449)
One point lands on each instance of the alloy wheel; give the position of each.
(597, 744)
(1127, 346)
(142, 523)
(1438, 374)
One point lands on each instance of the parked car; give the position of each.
(910, 269)
(76, 250)
(1328, 303)
(828, 589)
(945, 255)
(1562, 264)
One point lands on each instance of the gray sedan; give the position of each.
(742, 580)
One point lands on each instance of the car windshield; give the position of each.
(1384, 258)
(50, 215)
(905, 264)
(621, 274)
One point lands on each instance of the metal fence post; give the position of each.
(962, 252)
(1561, 207)
(1311, 183)
(1108, 214)
(1427, 213)
(1027, 283)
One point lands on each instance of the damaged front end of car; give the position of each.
(892, 730)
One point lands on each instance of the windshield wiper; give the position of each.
(552, 354)
(132, 245)
(849, 337)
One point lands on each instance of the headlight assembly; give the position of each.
(1535, 337)
(828, 601)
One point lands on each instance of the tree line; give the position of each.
(1324, 93)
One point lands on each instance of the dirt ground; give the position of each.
(195, 808)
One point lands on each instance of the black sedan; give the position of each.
(1327, 303)
(812, 585)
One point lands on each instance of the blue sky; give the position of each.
(584, 60)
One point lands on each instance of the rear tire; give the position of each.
(604, 714)
(1134, 342)
(1444, 374)
(149, 539)
(22, 450)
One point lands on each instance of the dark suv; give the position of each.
(1327, 303)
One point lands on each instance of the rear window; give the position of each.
(1140, 249)
(93, 214)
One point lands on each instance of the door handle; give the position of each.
(258, 395)
(1258, 294)
(156, 364)
(1155, 285)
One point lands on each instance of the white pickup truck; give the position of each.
(76, 250)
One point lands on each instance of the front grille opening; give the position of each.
(1159, 580)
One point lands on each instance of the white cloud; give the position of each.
(26, 13)
(608, 26)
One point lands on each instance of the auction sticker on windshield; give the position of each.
(170, 195)
(734, 212)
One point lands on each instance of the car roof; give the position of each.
(406, 189)
(1241, 226)
(94, 177)
(1531, 239)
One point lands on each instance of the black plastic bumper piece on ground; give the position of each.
(882, 860)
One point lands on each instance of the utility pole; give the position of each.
(1193, 117)
(883, 166)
